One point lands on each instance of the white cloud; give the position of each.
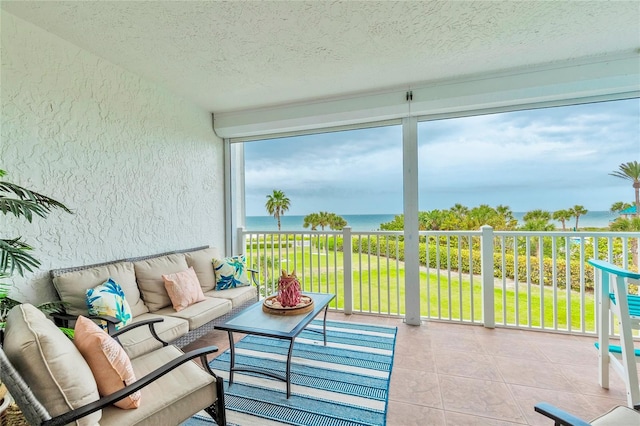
(547, 157)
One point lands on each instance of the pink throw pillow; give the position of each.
(183, 288)
(109, 363)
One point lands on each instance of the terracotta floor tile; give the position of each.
(466, 364)
(540, 374)
(402, 414)
(415, 387)
(484, 398)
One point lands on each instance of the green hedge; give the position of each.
(455, 262)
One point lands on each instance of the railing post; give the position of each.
(347, 251)
(486, 261)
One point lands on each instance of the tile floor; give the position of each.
(455, 374)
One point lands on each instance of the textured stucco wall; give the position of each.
(140, 167)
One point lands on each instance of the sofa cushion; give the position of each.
(139, 341)
(183, 288)
(109, 299)
(201, 262)
(230, 272)
(171, 399)
(149, 276)
(200, 313)
(238, 296)
(108, 361)
(72, 286)
(50, 363)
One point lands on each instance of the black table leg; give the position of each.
(324, 325)
(289, 368)
(232, 363)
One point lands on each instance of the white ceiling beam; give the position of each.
(612, 77)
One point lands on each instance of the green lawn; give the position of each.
(378, 287)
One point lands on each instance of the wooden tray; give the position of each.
(305, 306)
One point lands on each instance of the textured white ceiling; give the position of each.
(239, 55)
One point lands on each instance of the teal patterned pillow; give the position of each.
(108, 299)
(230, 272)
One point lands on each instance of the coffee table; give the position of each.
(287, 327)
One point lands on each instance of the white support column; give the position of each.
(347, 253)
(486, 261)
(410, 207)
(234, 208)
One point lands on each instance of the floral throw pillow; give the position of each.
(231, 272)
(108, 299)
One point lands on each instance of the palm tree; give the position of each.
(630, 171)
(313, 220)
(618, 206)
(277, 204)
(578, 211)
(506, 214)
(562, 216)
(324, 219)
(629, 225)
(432, 220)
(337, 222)
(537, 220)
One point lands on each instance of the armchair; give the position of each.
(53, 385)
(617, 416)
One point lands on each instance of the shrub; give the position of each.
(459, 260)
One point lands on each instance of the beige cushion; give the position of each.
(200, 313)
(139, 341)
(201, 261)
(183, 288)
(171, 399)
(618, 416)
(109, 363)
(72, 286)
(149, 276)
(49, 362)
(238, 296)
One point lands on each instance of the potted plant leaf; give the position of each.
(15, 256)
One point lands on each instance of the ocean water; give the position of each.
(371, 222)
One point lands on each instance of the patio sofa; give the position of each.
(143, 286)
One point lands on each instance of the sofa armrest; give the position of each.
(107, 400)
(255, 276)
(150, 322)
(62, 319)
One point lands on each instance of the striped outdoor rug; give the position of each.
(344, 383)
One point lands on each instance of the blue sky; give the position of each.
(551, 158)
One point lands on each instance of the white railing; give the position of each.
(465, 276)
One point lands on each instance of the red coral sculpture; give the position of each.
(289, 289)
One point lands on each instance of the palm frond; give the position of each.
(54, 307)
(27, 201)
(14, 257)
(69, 332)
(629, 171)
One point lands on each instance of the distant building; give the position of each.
(628, 212)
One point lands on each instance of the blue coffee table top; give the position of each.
(254, 320)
